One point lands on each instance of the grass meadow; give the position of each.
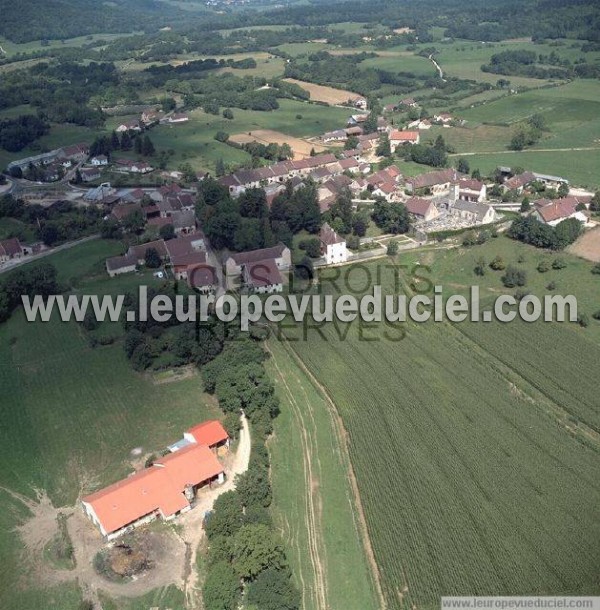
(313, 501)
(194, 142)
(71, 414)
(475, 446)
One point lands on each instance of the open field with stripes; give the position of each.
(475, 447)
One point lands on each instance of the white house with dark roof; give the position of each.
(333, 246)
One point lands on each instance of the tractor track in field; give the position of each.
(312, 500)
(342, 441)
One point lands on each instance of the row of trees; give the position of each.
(530, 230)
(37, 279)
(246, 557)
(105, 145)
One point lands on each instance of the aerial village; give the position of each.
(439, 200)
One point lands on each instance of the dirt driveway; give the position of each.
(175, 558)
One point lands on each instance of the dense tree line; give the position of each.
(245, 553)
(16, 134)
(530, 230)
(35, 279)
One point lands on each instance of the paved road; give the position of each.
(14, 263)
(526, 150)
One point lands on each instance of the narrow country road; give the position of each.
(437, 67)
(13, 263)
(191, 522)
(526, 150)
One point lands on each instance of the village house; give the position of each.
(552, 212)
(210, 433)
(89, 174)
(420, 124)
(116, 265)
(122, 210)
(355, 130)
(132, 125)
(151, 115)
(202, 278)
(76, 153)
(262, 276)
(473, 212)
(550, 181)
(139, 251)
(387, 190)
(186, 251)
(244, 179)
(360, 102)
(408, 102)
(333, 246)
(470, 189)
(444, 118)
(184, 221)
(99, 160)
(280, 253)
(437, 182)
(134, 167)
(399, 138)
(519, 182)
(164, 489)
(339, 135)
(421, 209)
(177, 118)
(10, 249)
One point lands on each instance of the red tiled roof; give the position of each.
(201, 275)
(140, 251)
(418, 206)
(159, 487)
(559, 208)
(328, 236)
(10, 247)
(404, 136)
(242, 258)
(190, 258)
(209, 433)
(262, 273)
(433, 178)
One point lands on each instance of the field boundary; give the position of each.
(342, 438)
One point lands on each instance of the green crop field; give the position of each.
(580, 167)
(470, 139)
(475, 446)
(71, 414)
(313, 499)
(194, 141)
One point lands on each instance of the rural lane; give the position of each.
(192, 521)
(17, 262)
(526, 150)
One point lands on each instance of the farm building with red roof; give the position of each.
(165, 489)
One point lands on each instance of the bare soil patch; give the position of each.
(322, 93)
(587, 246)
(299, 146)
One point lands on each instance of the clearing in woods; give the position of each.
(322, 93)
(300, 147)
(313, 495)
